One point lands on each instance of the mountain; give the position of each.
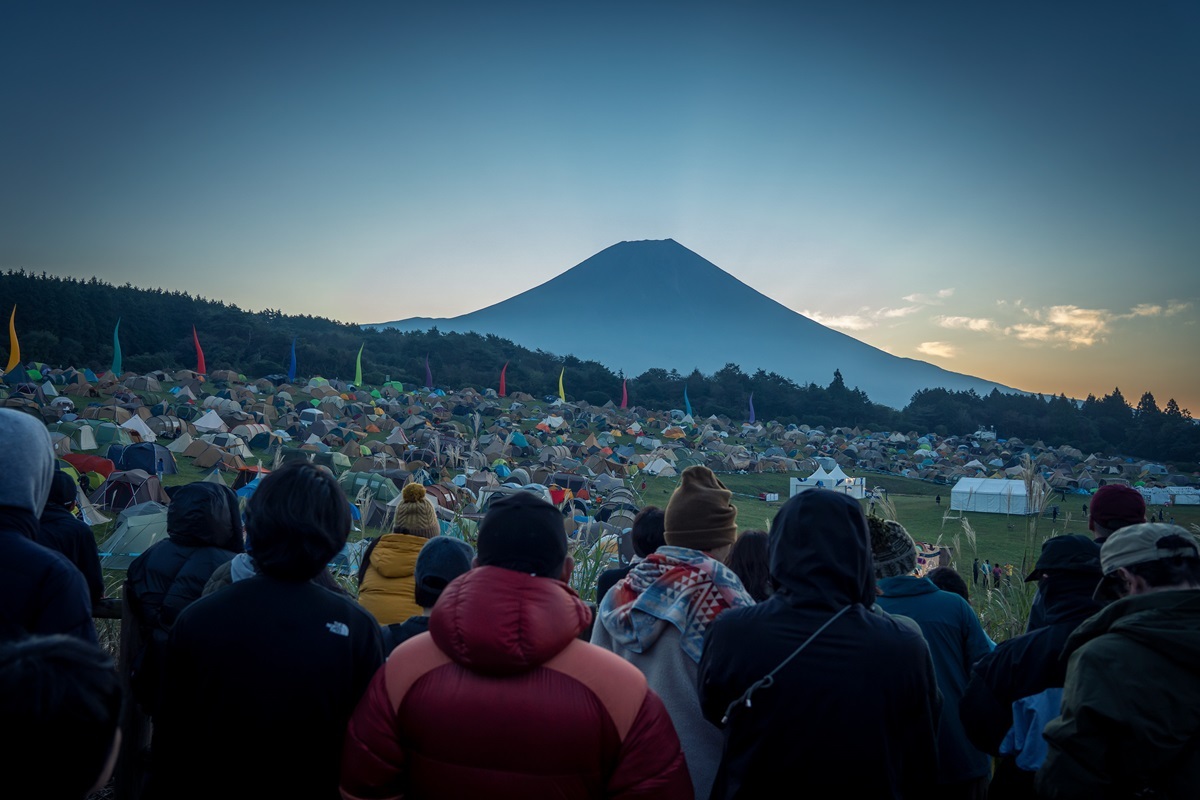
(639, 305)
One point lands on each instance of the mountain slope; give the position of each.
(638, 305)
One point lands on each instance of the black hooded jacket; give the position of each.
(855, 713)
(204, 530)
(1024, 667)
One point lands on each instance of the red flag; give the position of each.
(502, 371)
(199, 353)
(624, 396)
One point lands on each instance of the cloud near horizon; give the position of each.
(937, 349)
(1062, 325)
(866, 317)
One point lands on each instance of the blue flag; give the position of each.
(292, 366)
(687, 404)
(752, 408)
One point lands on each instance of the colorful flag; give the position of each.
(116, 362)
(292, 365)
(358, 366)
(14, 347)
(752, 408)
(687, 404)
(503, 370)
(561, 394)
(199, 353)
(624, 394)
(428, 374)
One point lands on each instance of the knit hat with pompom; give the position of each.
(415, 514)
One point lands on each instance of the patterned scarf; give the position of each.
(677, 585)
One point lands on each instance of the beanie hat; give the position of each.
(524, 533)
(1114, 506)
(415, 514)
(442, 560)
(699, 514)
(894, 551)
(63, 489)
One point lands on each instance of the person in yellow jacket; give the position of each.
(387, 578)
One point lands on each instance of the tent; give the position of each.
(145, 456)
(129, 488)
(210, 423)
(834, 480)
(138, 527)
(990, 496)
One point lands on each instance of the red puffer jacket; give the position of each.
(500, 699)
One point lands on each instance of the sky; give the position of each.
(1010, 190)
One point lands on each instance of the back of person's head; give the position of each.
(414, 514)
(204, 513)
(1160, 554)
(523, 533)
(26, 462)
(892, 548)
(63, 490)
(948, 580)
(1115, 506)
(296, 521)
(60, 700)
(647, 531)
(700, 514)
(750, 561)
(440, 561)
(820, 551)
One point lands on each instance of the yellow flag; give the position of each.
(14, 349)
(561, 394)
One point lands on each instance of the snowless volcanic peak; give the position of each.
(654, 303)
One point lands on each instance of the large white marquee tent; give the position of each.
(990, 496)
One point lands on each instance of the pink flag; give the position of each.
(502, 371)
(624, 395)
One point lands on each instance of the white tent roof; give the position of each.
(136, 425)
(211, 422)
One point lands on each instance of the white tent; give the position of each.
(989, 496)
(135, 425)
(211, 422)
(836, 481)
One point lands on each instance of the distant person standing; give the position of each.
(975, 573)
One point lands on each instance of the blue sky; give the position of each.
(1009, 190)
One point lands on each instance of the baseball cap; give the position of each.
(1139, 544)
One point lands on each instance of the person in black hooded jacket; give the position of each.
(1017, 688)
(204, 530)
(61, 530)
(852, 705)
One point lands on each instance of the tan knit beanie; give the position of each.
(415, 514)
(699, 514)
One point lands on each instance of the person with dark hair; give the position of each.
(656, 617)
(646, 534)
(204, 531)
(60, 699)
(442, 560)
(62, 531)
(261, 677)
(41, 592)
(387, 575)
(948, 580)
(750, 561)
(1131, 701)
(501, 699)
(814, 690)
(956, 641)
(1017, 688)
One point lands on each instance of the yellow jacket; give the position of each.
(389, 583)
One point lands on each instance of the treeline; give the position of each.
(69, 322)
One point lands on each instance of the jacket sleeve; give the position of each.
(713, 681)
(920, 740)
(651, 762)
(1085, 743)
(372, 756)
(986, 717)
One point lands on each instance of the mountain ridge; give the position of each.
(704, 317)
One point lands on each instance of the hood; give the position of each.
(1166, 622)
(395, 555)
(907, 586)
(821, 551)
(499, 622)
(205, 515)
(1067, 596)
(26, 462)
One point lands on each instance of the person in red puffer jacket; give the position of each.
(502, 699)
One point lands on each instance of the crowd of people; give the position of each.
(810, 659)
